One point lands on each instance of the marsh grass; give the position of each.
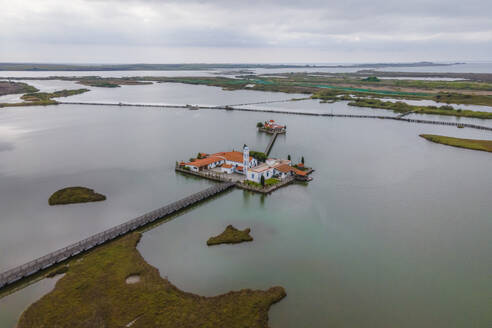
(475, 144)
(71, 195)
(94, 293)
(401, 107)
(230, 235)
(43, 98)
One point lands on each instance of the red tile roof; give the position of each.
(227, 166)
(233, 156)
(299, 172)
(204, 161)
(284, 168)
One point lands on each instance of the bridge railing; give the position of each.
(62, 254)
(468, 125)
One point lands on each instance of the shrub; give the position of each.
(371, 79)
(271, 182)
(258, 155)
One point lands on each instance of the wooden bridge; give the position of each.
(279, 111)
(270, 144)
(63, 254)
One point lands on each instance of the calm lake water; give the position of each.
(394, 231)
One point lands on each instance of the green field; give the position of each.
(475, 144)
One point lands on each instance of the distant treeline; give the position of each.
(135, 67)
(186, 67)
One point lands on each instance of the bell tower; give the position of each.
(245, 160)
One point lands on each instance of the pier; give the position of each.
(382, 117)
(11, 276)
(270, 144)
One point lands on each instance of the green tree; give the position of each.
(259, 125)
(288, 157)
(302, 160)
(262, 181)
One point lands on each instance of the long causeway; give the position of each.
(63, 254)
(381, 117)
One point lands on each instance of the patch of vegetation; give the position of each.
(230, 235)
(43, 98)
(252, 184)
(329, 87)
(466, 99)
(371, 79)
(94, 293)
(331, 95)
(259, 124)
(30, 103)
(357, 79)
(47, 96)
(61, 270)
(401, 107)
(271, 182)
(7, 88)
(73, 195)
(475, 144)
(110, 82)
(100, 84)
(260, 156)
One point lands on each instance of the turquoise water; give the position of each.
(393, 231)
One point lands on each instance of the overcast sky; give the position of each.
(153, 31)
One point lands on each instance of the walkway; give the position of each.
(466, 125)
(406, 113)
(63, 254)
(270, 144)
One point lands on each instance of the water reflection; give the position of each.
(367, 221)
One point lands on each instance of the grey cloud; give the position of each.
(418, 27)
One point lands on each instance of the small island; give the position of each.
(230, 235)
(114, 287)
(474, 144)
(43, 98)
(7, 88)
(271, 127)
(72, 195)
